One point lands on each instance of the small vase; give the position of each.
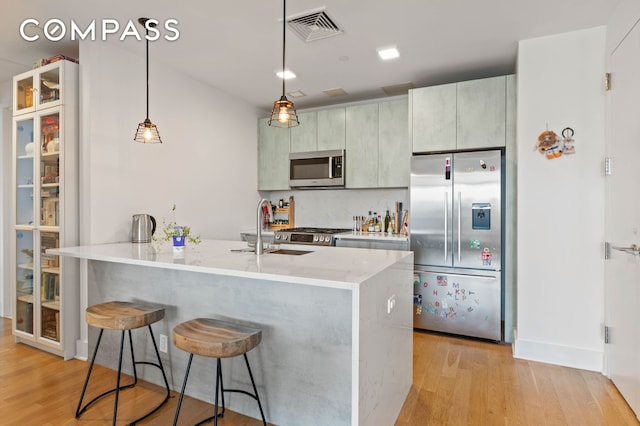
(178, 240)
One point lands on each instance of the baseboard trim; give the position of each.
(567, 356)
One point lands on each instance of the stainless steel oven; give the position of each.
(317, 169)
(311, 236)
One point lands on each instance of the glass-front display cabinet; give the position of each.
(45, 213)
(40, 88)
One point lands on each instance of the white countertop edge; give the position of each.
(166, 261)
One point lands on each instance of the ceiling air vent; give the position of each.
(314, 25)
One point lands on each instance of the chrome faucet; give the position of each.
(259, 219)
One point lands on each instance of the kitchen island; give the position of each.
(337, 322)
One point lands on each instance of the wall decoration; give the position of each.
(552, 146)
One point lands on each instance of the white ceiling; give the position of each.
(237, 45)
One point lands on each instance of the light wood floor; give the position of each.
(456, 382)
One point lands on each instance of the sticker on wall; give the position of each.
(474, 244)
(441, 280)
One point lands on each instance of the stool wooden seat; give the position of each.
(216, 339)
(123, 316)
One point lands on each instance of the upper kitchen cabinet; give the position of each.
(43, 87)
(511, 107)
(466, 115)
(331, 129)
(273, 156)
(319, 131)
(481, 113)
(394, 145)
(378, 148)
(362, 146)
(304, 137)
(433, 118)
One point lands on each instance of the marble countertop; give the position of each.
(334, 267)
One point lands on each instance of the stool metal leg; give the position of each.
(255, 390)
(80, 410)
(115, 404)
(184, 386)
(159, 366)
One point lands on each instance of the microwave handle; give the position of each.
(330, 167)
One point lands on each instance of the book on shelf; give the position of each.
(50, 211)
(50, 286)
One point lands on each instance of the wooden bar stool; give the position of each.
(216, 339)
(123, 316)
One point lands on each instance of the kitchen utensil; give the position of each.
(142, 228)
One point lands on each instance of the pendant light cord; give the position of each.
(147, 38)
(284, 26)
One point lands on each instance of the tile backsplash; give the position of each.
(335, 208)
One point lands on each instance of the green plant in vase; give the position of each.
(171, 231)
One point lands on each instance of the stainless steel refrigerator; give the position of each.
(456, 237)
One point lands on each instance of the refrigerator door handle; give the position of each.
(459, 227)
(446, 225)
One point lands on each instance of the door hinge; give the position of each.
(606, 335)
(607, 166)
(607, 251)
(607, 81)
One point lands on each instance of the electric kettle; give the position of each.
(142, 228)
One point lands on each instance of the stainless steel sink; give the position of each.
(273, 251)
(289, 251)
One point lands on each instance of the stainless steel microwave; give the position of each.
(317, 169)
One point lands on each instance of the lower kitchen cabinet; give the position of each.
(378, 244)
(273, 157)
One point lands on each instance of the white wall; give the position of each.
(206, 165)
(561, 201)
(6, 144)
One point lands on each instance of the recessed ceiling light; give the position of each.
(388, 53)
(287, 75)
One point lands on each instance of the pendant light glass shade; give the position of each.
(283, 113)
(147, 131)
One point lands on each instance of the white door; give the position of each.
(622, 220)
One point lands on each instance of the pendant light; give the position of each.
(283, 113)
(147, 131)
